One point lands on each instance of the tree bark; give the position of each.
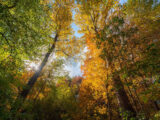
(24, 93)
(34, 78)
(123, 99)
(109, 105)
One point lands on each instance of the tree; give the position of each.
(120, 69)
(97, 23)
(61, 19)
(61, 24)
(92, 94)
(19, 32)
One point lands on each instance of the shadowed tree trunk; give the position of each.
(156, 106)
(34, 78)
(121, 94)
(123, 99)
(24, 93)
(109, 105)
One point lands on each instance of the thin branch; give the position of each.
(5, 38)
(10, 7)
(65, 53)
(66, 40)
(93, 21)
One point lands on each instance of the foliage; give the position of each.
(120, 71)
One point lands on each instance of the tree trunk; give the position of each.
(23, 95)
(156, 106)
(123, 99)
(34, 78)
(109, 106)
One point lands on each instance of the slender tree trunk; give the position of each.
(129, 90)
(39, 91)
(132, 97)
(23, 95)
(121, 94)
(145, 87)
(109, 106)
(34, 78)
(123, 99)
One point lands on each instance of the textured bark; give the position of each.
(123, 99)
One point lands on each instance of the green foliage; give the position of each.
(58, 103)
(157, 116)
(126, 115)
(24, 27)
(128, 41)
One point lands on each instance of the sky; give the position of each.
(74, 68)
(122, 1)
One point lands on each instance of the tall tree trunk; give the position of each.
(123, 99)
(121, 94)
(145, 87)
(23, 95)
(34, 78)
(39, 91)
(132, 97)
(109, 105)
(129, 90)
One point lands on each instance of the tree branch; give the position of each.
(5, 38)
(13, 6)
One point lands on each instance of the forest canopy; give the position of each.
(115, 43)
